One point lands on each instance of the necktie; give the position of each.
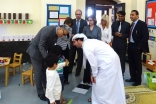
(131, 31)
(119, 29)
(77, 26)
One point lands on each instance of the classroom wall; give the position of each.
(65, 2)
(81, 4)
(33, 7)
(37, 12)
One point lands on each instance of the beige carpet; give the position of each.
(140, 95)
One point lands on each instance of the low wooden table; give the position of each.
(6, 65)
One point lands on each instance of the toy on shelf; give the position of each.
(14, 20)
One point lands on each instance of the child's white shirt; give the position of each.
(54, 88)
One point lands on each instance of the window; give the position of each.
(98, 16)
(105, 11)
(89, 11)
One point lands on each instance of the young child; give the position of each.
(62, 62)
(53, 90)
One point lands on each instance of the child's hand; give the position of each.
(53, 103)
(67, 62)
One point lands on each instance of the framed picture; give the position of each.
(53, 14)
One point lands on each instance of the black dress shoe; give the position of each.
(136, 84)
(129, 80)
(74, 63)
(42, 97)
(66, 82)
(76, 75)
(69, 72)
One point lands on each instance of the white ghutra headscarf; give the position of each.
(79, 36)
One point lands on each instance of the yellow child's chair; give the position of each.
(16, 63)
(29, 75)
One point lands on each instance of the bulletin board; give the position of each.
(56, 14)
(151, 13)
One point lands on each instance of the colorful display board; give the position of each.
(151, 13)
(56, 14)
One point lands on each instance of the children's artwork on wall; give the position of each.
(53, 14)
(56, 14)
(150, 16)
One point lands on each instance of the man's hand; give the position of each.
(117, 34)
(72, 35)
(93, 79)
(53, 103)
(120, 35)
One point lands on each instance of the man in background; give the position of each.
(78, 25)
(120, 32)
(138, 43)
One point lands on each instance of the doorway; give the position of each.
(100, 7)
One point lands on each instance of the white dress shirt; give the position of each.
(106, 33)
(131, 38)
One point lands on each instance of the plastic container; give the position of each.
(150, 80)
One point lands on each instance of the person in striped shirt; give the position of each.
(64, 42)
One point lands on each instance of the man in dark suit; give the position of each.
(78, 25)
(38, 50)
(120, 32)
(138, 43)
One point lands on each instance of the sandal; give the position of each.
(64, 101)
(89, 100)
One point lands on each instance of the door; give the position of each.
(117, 8)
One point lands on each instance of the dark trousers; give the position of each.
(40, 75)
(134, 59)
(122, 54)
(72, 57)
(57, 101)
(66, 69)
(87, 73)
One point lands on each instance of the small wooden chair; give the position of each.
(29, 75)
(16, 63)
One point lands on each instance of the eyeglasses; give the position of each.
(90, 20)
(77, 14)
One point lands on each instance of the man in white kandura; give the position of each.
(107, 81)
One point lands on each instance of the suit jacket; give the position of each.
(39, 46)
(83, 23)
(140, 36)
(120, 42)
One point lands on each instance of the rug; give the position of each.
(140, 95)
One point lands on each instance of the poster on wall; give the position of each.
(151, 14)
(62, 21)
(53, 15)
(64, 10)
(54, 24)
